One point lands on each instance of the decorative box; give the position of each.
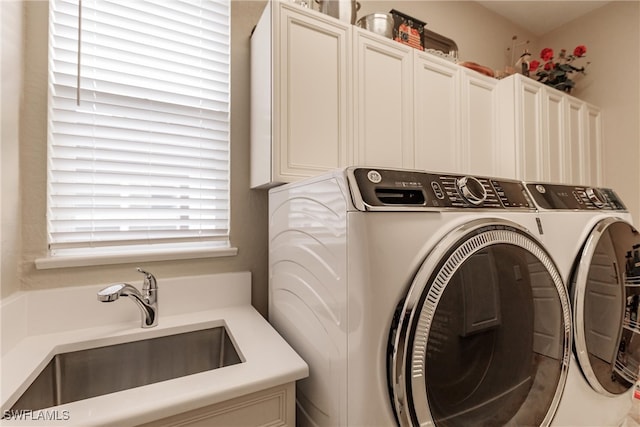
(408, 30)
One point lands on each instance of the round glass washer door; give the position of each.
(483, 337)
(605, 289)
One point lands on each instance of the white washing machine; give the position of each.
(590, 236)
(417, 299)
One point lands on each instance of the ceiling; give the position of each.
(540, 17)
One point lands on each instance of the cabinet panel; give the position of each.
(383, 102)
(437, 115)
(584, 134)
(301, 119)
(313, 95)
(557, 138)
(262, 115)
(554, 149)
(574, 137)
(479, 124)
(530, 138)
(593, 145)
(270, 407)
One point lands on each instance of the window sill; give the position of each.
(127, 258)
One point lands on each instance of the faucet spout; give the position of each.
(147, 300)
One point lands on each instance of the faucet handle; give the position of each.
(150, 282)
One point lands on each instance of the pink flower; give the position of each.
(546, 54)
(580, 50)
(533, 65)
(549, 66)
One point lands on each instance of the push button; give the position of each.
(437, 190)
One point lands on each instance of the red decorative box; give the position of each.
(408, 30)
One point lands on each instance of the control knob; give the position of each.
(471, 190)
(594, 197)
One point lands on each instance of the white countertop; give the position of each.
(268, 360)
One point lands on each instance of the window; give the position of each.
(138, 132)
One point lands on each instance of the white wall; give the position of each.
(612, 36)
(11, 23)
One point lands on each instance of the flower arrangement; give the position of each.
(556, 74)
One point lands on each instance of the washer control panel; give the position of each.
(569, 197)
(416, 189)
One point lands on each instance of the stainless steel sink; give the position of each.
(78, 375)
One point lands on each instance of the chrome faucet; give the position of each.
(147, 300)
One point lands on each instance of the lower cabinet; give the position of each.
(271, 407)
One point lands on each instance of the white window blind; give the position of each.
(138, 132)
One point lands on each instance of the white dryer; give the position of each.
(417, 299)
(589, 234)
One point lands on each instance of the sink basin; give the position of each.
(78, 375)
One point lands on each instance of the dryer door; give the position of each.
(483, 336)
(606, 296)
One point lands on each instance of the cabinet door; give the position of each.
(437, 114)
(383, 102)
(548, 135)
(311, 93)
(479, 124)
(593, 145)
(584, 135)
(553, 153)
(529, 134)
(574, 138)
(270, 407)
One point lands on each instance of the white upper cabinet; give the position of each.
(547, 135)
(437, 107)
(553, 128)
(592, 145)
(383, 101)
(300, 94)
(479, 124)
(522, 150)
(575, 124)
(326, 94)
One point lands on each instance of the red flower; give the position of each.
(580, 50)
(546, 54)
(556, 72)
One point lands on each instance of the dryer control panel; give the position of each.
(569, 197)
(392, 188)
